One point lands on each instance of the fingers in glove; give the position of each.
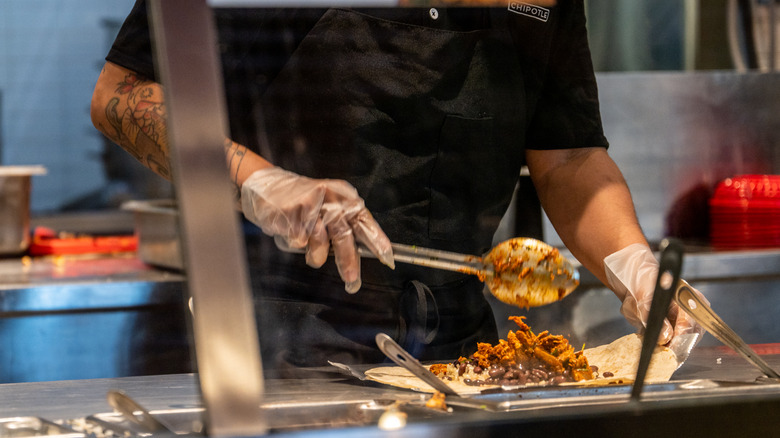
(369, 233)
(636, 313)
(684, 324)
(318, 247)
(667, 333)
(346, 255)
(302, 218)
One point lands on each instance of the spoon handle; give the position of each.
(418, 255)
(434, 258)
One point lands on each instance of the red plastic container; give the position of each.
(745, 212)
(46, 241)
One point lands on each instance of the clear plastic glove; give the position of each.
(315, 214)
(631, 273)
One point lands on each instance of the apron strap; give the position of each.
(417, 303)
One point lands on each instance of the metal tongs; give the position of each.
(669, 286)
(670, 266)
(522, 271)
(701, 312)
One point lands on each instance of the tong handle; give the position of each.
(418, 255)
(704, 315)
(397, 354)
(134, 412)
(669, 269)
(434, 258)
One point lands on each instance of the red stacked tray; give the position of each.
(745, 212)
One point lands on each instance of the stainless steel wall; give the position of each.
(676, 134)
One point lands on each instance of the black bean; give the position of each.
(541, 374)
(462, 369)
(495, 371)
(478, 369)
(557, 380)
(607, 374)
(594, 369)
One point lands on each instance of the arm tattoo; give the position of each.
(141, 127)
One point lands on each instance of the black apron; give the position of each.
(427, 124)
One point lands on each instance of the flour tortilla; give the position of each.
(402, 378)
(619, 357)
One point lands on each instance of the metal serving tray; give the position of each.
(15, 186)
(517, 399)
(281, 416)
(157, 228)
(19, 427)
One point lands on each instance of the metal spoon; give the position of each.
(522, 272)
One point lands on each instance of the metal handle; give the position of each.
(400, 356)
(417, 255)
(136, 413)
(704, 315)
(665, 285)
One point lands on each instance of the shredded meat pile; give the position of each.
(524, 357)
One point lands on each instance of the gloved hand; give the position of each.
(315, 214)
(631, 273)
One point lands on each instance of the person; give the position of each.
(409, 125)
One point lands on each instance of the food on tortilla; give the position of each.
(610, 364)
(523, 358)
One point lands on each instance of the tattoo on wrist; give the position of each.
(234, 154)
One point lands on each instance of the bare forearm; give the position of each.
(130, 111)
(588, 202)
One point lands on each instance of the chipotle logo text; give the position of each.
(529, 10)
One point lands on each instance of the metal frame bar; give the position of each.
(226, 343)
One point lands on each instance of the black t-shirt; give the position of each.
(551, 45)
(439, 171)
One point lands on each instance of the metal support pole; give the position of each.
(226, 344)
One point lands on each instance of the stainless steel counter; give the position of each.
(697, 408)
(83, 317)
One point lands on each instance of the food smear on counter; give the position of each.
(437, 401)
